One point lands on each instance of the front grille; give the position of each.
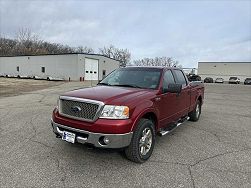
(81, 110)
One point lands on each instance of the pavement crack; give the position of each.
(42, 98)
(41, 143)
(61, 169)
(191, 176)
(181, 164)
(166, 162)
(231, 171)
(212, 133)
(218, 155)
(33, 125)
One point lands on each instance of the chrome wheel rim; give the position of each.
(197, 110)
(145, 141)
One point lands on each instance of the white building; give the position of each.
(224, 70)
(61, 66)
(190, 70)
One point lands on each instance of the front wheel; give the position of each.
(195, 114)
(142, 143)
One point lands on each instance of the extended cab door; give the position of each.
(167, 101)
(183, 99)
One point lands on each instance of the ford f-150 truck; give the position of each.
(128, 109)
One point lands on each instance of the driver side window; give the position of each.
(167, 79)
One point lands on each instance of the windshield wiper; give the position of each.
(127, 85)
(105, 84)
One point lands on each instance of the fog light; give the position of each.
(106, 140)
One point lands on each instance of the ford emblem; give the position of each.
(76, 109)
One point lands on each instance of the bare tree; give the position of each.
(157, 61)
(6, 46)
(85, 49)
(123, 55)
(28, 43)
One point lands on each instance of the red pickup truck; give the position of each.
(128, 108)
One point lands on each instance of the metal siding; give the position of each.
(56, 66)
(224, 70)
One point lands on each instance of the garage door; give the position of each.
(91, 69)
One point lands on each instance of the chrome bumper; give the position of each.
(115, 140)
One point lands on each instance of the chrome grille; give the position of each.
(80, 109)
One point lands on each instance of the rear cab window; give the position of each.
(180, 78)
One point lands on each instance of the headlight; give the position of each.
(115, 112)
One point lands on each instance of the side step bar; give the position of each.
(180, 122)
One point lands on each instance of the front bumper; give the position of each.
(82, 136)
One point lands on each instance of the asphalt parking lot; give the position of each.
(213, 152)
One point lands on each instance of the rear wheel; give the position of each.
(142, 143)
(195, 114)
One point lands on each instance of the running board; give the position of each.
(180, 122)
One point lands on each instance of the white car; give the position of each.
(234, 80)
(219, 80)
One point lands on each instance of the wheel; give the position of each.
(142, 143)
(195, 114)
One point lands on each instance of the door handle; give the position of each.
(157, 99)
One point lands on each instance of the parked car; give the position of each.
(234, 80)
(208, 80)
(127, 109)
(194, 78)
(247, 81)
(219, 80)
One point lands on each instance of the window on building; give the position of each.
(43, 69)
(180, 78)
(17, 68)
(104, 73)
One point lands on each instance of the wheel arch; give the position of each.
(147, 114)
(199, 99)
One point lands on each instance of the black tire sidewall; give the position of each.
(146, 124)
(198, 103)
(192, 115)
(132, 152)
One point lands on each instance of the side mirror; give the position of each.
(173, 88)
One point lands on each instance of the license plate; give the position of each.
(68, 137)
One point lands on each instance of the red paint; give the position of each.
(167, 109)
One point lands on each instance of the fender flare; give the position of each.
(147, 110)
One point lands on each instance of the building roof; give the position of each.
(60, 54)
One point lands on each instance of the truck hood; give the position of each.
(110, 94)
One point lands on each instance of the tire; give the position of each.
(134, 151)
(195, 114)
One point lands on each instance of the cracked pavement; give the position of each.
(213, 152)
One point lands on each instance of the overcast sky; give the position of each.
(189, 31)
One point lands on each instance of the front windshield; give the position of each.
(133, 77)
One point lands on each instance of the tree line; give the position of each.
(27, 43)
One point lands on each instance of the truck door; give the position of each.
(183, 99)
(167, 101)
